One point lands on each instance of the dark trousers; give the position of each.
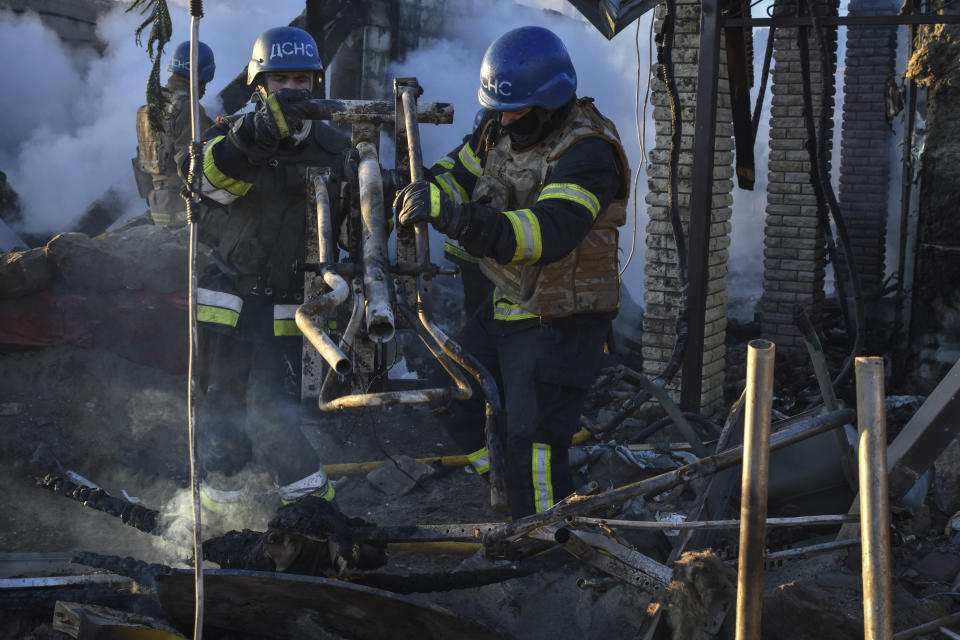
(249, 411)
(544, 372)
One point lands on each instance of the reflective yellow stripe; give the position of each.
(526, 230)
(573, 193)
(434, 201)
(274, 106)
(218, 307)
(452, 188)
(446, 162)
(451, 249)
(470, 160)
(542, 480)
(216, 315)
(328, 493)
(217, 178)
(284, 323)
(505, 309)
(480, 460)
(168, 218)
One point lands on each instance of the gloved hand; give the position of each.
(420, 201)
(272, 122)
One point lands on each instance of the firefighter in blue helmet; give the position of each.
(534, 197)
(254, 168)
(155, 166)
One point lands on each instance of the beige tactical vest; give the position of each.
(587, 279)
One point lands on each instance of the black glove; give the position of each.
(272, 122)
(421, 201)
(394, 180)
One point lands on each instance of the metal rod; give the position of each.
(704, 467)
(753, 488)
(701, 203)
(841, 21)
(814, 548)
(196, 12)
(409, 98)
(874, 503)
(802, 521)
(376, 257)
(324, 344)
(367, 111)
(933, 625)
(326, 249)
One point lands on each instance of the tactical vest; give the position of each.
(261, 235)
(587, 279)
(155, 150)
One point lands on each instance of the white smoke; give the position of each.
(69, 127)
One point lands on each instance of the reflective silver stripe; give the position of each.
(211, 298)
(573, 193)
(222, 196)
(221, 496)
(451, 187)
(285, 311)
(480, 460)
(304, 486)
(446, 162)
(542, 482)
(506, 309)
(526, 229)
(470, 160)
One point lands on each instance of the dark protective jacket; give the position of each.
(544, 230)
(257, 231)
(155, 165)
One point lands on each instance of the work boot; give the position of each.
(316, 484)
(241, 501)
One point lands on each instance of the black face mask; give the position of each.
(529, 129)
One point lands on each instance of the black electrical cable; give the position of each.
(665, 73)
(827, 204)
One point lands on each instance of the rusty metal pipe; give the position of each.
(753, 491)
(408, 98)
(874, 503)
(323, 343)
(326, 250)
(704, 467)
(367, 111)
(376, 257)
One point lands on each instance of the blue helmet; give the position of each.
(180, 62)
(526, 67)
(283, 49)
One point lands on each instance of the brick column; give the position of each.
(867, 141)
(662, 282)
(794, 245)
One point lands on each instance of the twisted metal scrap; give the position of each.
(160, 32)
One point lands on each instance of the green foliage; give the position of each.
(160, 32)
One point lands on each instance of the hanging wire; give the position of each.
(641, 127)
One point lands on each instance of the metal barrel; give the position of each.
(376, 259)
(874, 500)
(324, 344)
(753, 488)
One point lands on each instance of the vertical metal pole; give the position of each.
(701, 201)
(874, 506)
(376, 259)
(753, 491)
(196, 12)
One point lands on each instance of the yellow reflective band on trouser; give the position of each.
(542, 482)
(573, 193)
(180, 217)
(217, 178)
(218, 307)
(451, 249)
(452, 188)
(316, 484)
(506, 309)
(470, 160)
(274, 105)
(526, 231)
(284, 323)
(446, 162)
(480, 460)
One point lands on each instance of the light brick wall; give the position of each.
(662, 296)
(794, 250)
